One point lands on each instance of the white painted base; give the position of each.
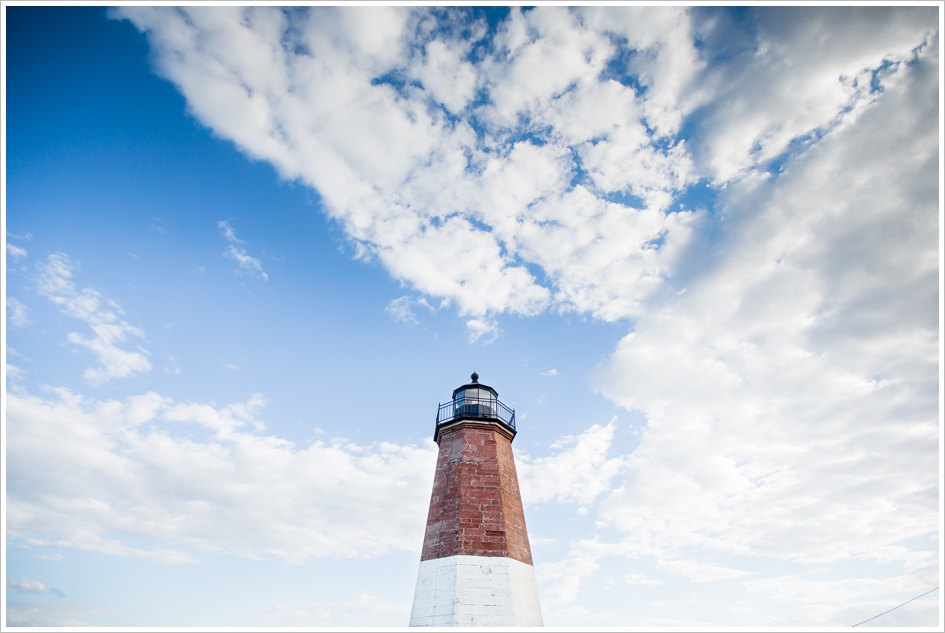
(475, 591)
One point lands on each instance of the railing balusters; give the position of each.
(483, 408)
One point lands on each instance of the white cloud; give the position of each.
(567, 574)
(550, 372)
(641, 580)
(808, 72)
(485, 329)
(103, 317)
(14, 373)
(15, 252)
(793, 589)
(579, 472)
(452, 213)
(458, 207)
(174, 368)
(247, 262)
(25, 585)
(57, 614)
(358, 612)
(228, 233)
(192, 478)
(792, 391)
(17, 313)
(399, 310)
(700, 572)
(853, 600)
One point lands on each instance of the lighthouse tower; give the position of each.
(476, 566)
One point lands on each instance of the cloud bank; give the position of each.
(88, 474)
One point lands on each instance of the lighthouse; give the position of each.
(476, 565)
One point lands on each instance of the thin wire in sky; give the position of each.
(894, 608)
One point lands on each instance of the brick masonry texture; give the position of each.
(476, 507)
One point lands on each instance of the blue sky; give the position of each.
(248, 252)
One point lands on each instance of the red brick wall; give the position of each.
(476, 508)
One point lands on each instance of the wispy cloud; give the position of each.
(58, 615)
(399, 310)
(15, 252)
(24, 585)
(17, 313)
(356, 611)
(701, 572)
(641, 580)
(550, 372)
(103, 317)
(247, 262)
(14, 373)
(228, 233)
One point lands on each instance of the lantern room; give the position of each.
(474, 401)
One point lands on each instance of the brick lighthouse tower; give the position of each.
(476, 566)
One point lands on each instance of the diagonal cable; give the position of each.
(896, 607)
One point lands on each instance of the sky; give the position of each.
(250, 250)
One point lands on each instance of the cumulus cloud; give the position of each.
(17, 313)
(568, 158)
(430, 177)
(97, 475)
(486, 330)
(103, 317)
(550, 372)
(579, 472)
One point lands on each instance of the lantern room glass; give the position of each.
(475, 402)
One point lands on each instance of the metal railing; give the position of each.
(476, 408)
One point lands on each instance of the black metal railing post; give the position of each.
(476, 408)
